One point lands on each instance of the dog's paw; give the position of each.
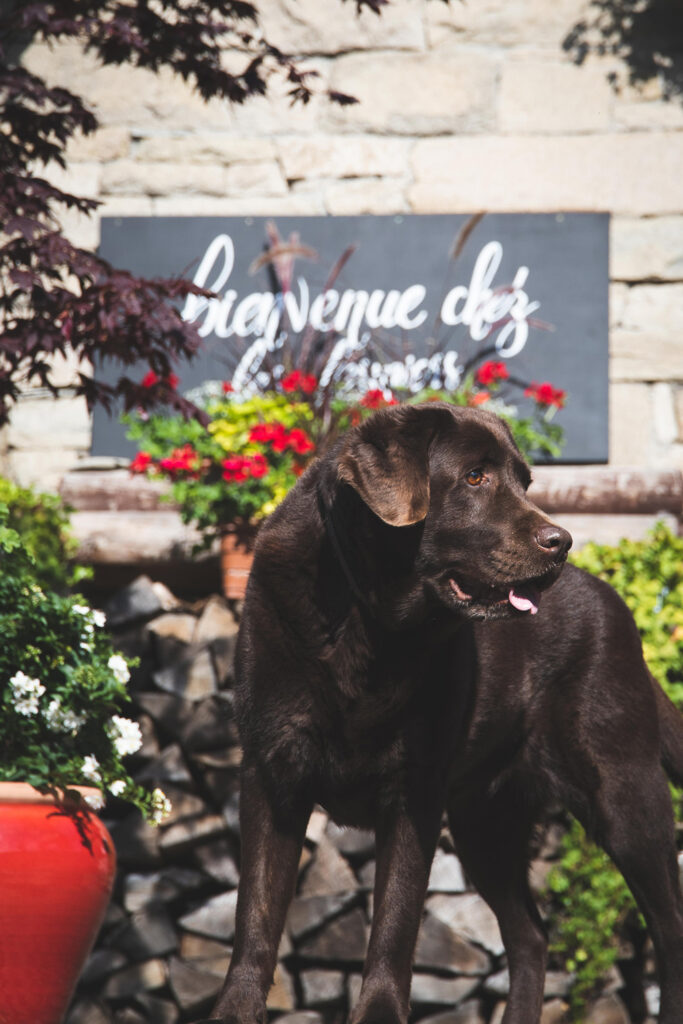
(238, 1006)
(381, 1008)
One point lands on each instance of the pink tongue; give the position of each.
(522, 602)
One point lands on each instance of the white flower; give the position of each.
(125, 734)
(81, 609)
(94, 800)
(62, 720)
(161, 806)
(118, 787)
(91, 768)
(99, 618)
(27, 693)
(119, 667)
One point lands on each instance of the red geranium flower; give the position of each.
(546, 394)
(490, 372)
(374, 399)
(173, 380)
(258, 466)
(141, 462)
(479, 398)
(265, 433)
(234, 469)
(238, 468)
(181, 460)
(299, 441)
(227, 387)
(150, 379)
(298, 381)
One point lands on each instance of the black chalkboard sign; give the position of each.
(532, 288)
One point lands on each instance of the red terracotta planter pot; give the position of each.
(236, 558)
(57, 866)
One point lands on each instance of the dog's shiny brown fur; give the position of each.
(390, 665)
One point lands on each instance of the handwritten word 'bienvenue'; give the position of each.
(480, 306)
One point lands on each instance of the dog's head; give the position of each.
(484, 549)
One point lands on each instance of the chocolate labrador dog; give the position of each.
(409, 644)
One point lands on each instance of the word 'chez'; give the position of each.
(479, 306)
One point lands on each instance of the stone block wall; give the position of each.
(463, 107)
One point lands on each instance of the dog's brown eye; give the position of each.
(475, 477)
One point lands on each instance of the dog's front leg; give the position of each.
(271, 848)
(405, 847)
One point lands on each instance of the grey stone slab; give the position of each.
(192, 831)
(216, 620)
(427, 989)
(301, 1017)
(144, 977)
(210, 725)
(170, 766)
(329, 873)
(441, 948)
(193, 988)
(86, 1011)
(156, 1010)
(198, 947)
(446, 874)
(140, 600)
(352, 842)
(167, 710)
(215, 918)
(136, 842)
(342, 940)
(177, 625)
(129, 1015)
(100, 964)
(554, 1012)
(217, 859)
(557, 983)
(607, 1010)
(320, 987)
(470, 917)
(281, 996)
(139, 890)
(150, 745)
(192, 676)
(223, 653)
(469, 1012)
(366, 875)
(308, 914)
(149, 933)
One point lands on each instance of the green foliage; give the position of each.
(62, 687)
(649, 577)
(197, 459)
(42, 523)
(591, 899)
(536, 435)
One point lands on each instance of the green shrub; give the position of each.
(42, 523)
(62, 688)
(590, 898)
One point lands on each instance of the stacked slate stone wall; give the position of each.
(166, 941)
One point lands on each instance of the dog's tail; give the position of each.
(671, 734)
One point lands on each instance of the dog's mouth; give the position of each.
(523, 597)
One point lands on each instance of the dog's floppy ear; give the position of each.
(386, 461)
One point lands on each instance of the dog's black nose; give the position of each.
(554, 540)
